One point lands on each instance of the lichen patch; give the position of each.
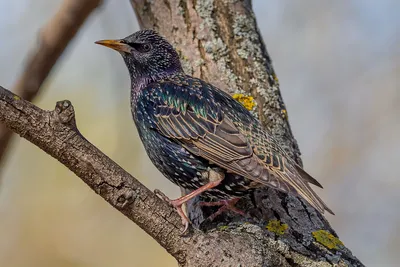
(327, 239)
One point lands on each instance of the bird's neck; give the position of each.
(141, 82)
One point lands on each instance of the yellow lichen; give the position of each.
(327, 239)
(275, 226)
(275, 78)
(223, 227)
(16, 97)
(247, 101)
(284, 113)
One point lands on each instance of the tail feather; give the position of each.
(299, 181)
(307, 177)
(321, 204)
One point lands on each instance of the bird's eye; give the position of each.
(145, 47)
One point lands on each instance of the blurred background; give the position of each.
(338, 64)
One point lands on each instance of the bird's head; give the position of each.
(147, 55)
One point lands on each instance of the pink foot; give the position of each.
(177, 204)
(226, 205)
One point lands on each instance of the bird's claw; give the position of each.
(185, 227)
(178, 207)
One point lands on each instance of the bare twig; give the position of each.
(52, 41)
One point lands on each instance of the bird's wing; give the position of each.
(205, 131)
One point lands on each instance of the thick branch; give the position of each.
(56, 133)
(52, 41)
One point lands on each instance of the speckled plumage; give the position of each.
(172, 96)
(188, 126)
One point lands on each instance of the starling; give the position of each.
(198, 136)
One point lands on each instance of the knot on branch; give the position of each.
(65, 113)
(126, 197)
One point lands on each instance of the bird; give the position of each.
(198, 136)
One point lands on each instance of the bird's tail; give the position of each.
(299, 180)
(308, 178)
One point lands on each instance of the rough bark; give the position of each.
(52, 41)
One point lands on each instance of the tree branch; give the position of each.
(52, 41)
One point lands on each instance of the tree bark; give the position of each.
(219, 42)
(52, 41)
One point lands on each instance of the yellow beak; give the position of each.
(117, 45)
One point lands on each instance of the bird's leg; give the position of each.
(225, 205)
(185, 220)
(214, 177)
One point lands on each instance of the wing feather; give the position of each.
(206, 132)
